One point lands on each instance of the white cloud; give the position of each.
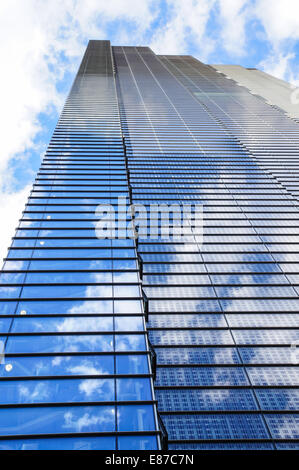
(278, 65)
(233, 15)
(11, 207)
(187, 22)
(280, 19)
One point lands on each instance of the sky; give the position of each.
(42, 43)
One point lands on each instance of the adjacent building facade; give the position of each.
(120, 342)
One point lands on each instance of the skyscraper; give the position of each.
(115, 342)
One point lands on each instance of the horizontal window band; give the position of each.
(174, 285)
(141, 314)
(224, 387)
(154, 262)
(71, 259)
(82, 191)
(80, 434)
(178, 274)
(48, 299)
(217, 313)
(230, 441)
(218, 345)
(74, 315)
(170, 329)
(106, 284)
(209, 226)
(113, 270)
(88, 248)
(213, 297)
(166, 273)
(162, 299)
(229, 412)
(144, 352)
(66, 377)
(203, 263)
(198, 252)
(225, 328)
(77, 333)
(239, 365)
(76, 403)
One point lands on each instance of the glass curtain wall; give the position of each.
(76, 372)
(91, 327)
(223, 316)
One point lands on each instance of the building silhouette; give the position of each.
(142, 343)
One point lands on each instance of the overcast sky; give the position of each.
(42, 42)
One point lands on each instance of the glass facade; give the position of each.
(77, 372)
(99, 331)
(223, 317)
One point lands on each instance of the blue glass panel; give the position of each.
(72, 264)
(283, 426)
(12, 278)
(47, 391)
(44, 292)
(65, 306)
(204, 400)
(223, 446)
(7, 308)
(132, 323)
(15, 265)
(66, 419)
(127, 306)
(287, 445)
(65, 277)
(265, 355)
(67, 443)
(61, 324)
(4, 324)
(132, 364)
(195, 355)
(122, 264)
(187, 376)
(61, 343)
(137, 443)
(215, 427)
(273, 375)
(135, 418)
(61, 253)
(130, 342)
(280, 399)
(133, 389)
(57, 365)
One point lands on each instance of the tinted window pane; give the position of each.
(37, 391)
(68, 443)
(57, 419)
(57, 365)
(135, 418)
